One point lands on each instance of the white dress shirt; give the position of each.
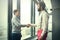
(44, 21)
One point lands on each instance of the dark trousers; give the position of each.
(45, 36)
(16, 36)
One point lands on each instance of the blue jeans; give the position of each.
(16, 36)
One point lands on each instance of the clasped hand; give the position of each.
(28, 25)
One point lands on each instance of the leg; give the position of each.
(45, 36)
(16, 36)
(19, 36)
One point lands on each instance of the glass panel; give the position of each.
(3, 19)
(14, 6)
(50, 23)
(36, 17)
(25, 11)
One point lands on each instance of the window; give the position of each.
(3, 19)
(25, 12)
(36, 17)
(14, 2)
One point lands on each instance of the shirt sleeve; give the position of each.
(17, 23)
(44, 23)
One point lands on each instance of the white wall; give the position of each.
(3, 19)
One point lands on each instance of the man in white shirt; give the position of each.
(43, 20)
(16, 26)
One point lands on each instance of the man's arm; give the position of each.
(17, 23)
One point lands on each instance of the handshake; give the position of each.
(28, 25)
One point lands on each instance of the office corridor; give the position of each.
(29, 15)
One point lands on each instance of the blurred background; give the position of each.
(28, 15)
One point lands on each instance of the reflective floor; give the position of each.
(49, 37)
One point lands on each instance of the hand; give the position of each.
(41, 38)
(28, 25)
